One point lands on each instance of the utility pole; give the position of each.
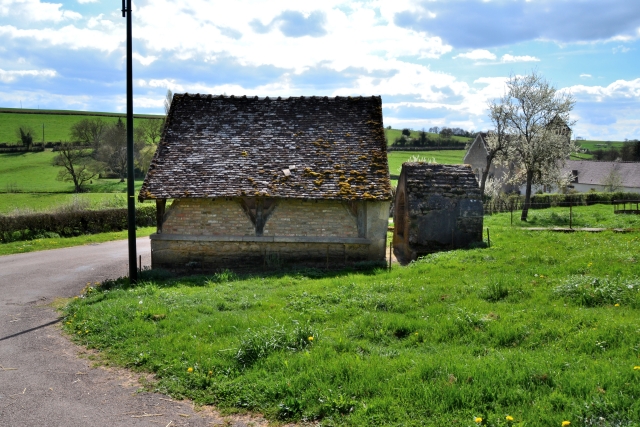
(131, 201)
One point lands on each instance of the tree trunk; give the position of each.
(527, 197)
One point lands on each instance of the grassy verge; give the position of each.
(56, 243)
(541, 327)
(595, 216)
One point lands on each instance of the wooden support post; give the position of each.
(390, 246)
(488, 238)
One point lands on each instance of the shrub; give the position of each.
(71, 222)
(589, 291)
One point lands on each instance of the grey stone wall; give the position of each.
(438, 207)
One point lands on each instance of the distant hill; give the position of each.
(57, 123)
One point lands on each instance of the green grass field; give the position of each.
(541, 327)
(392, 134)
(445, 157)
(599, 145)
(29, 172)
(57, 123)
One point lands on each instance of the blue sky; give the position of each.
(434, 62)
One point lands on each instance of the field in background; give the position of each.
(57, 123)
(599, 145)
(392, 134)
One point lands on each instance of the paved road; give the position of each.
(45, 380)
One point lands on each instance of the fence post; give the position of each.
(488, 238)
(570, 215)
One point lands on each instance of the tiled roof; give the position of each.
(453, 181)
(596, 173)
(305, 147)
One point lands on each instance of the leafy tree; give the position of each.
(406, 132)
(112, 151)
(446, 133)
(88, 131)
(434, 129)
(613, 181)
(151, 129)
(78, 165)
(143, 151)
(538, 123)
(25, 135)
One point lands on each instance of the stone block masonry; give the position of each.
(210, 234)
(437, 207)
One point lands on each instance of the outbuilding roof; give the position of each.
(298, 147)
(597, 172)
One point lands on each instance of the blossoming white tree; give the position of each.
(537, 126)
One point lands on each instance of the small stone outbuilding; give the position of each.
(261, 182)
(437, 207)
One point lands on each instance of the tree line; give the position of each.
(444, 137)
(100, 148)
(629, 152)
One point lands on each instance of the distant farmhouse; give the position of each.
(601, 176)
(258, 182)
(476, 156)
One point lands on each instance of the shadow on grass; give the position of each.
(166, 279)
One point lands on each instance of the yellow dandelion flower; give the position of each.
(616, 305)
(190, 370)
(509, 418)
(310, 338)
(478, 420)
(210, 372)
(566, 423)
(636, 368)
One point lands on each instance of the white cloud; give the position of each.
(35, 10)
(10, 76)
(144, 60)
(524, 58)
(586, 76)
(477, 54)
(88, 1)
(69, 36)
(620, 89)
(621, 49)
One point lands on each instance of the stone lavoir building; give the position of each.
(437, 207)
(259, 182)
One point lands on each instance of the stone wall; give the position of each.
(438, 207)
(311, 218)
(209, 234)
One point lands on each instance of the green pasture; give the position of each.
(57, 124)
(445, 157)
(539, 327)
(392, 134)
(599, 145)
(32, 172)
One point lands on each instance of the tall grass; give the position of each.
(455, 336)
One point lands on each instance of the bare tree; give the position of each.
(25, 134)
(167, 101)
(78, 166)
(538, 123)
(88, 131)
